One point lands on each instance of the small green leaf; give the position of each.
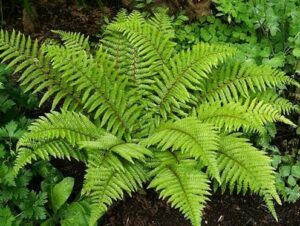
(296, 171)
(48, 222)
(293, 194)
(298, 131)
(291, 181)
(285, 171)
(276, 161)
(275, 62)
(76, 214)
(296, 52)
(6, 217)
(61, 192)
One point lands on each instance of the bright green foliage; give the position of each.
(136, 110)
(266, 31)
(234, 80)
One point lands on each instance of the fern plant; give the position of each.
(137, 111)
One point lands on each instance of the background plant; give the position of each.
(18, 203)
(266, 31)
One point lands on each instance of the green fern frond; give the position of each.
(74, 40)
(245, 168)
(185, 188)
(264, 112)
(70, 126)
(150, 41)
(105, 98)
(25, 55)
(191, 136)
(187, 71)
(250, 115)
(17, 49)
(56, 135)
(163, 22)
(138, 48)
(105, 185)
(235, 80)
(25, 156)
(281, 104)
(55, 148)
(229, 117)
(127, 151)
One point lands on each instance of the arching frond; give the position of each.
(229, 117)
(235, 80)
(105, 185)
(71, 126)
(191, 136)
(56, 135)
(246, 168)
(185, 188)
(281, 104)
(139, 49)
(264, 112)
(74, 40)
(102, 97)
(163, 22)
(251, 116)
(17, 49)
(150, 40)
(56, 148)
(186, 72)
(25, 55)
(127, 151)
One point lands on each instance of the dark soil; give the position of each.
(222, 210)
(146, 209)
(50, 16)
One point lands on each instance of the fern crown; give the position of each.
(135, 110)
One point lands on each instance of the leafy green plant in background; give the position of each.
(18, 203)
(286, 161)
(22, 200)
(63, 213)
(287, 179)
(137, 110)
(267, 31)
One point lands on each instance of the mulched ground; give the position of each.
(146, 209)
(222, 210)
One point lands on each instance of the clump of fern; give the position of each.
(135, 110)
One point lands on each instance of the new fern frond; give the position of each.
(136, 110)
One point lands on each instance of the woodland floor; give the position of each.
(147, 209)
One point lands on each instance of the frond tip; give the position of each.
(246, 168)
(185, 188)
(191, 136)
